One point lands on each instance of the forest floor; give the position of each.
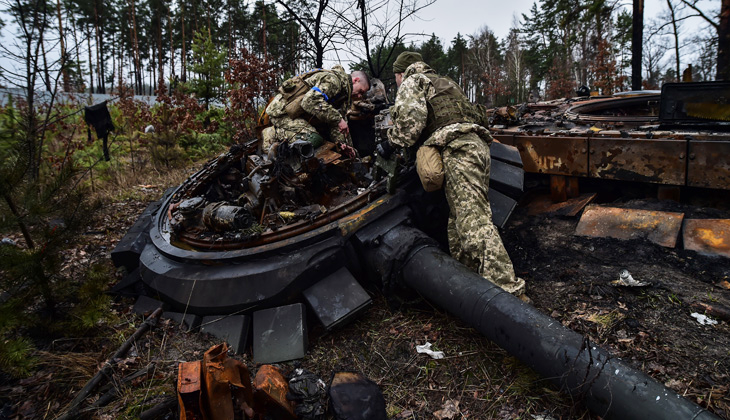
(568, 278)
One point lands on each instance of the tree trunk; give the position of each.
(114, 62)
(723, 42)
(675, 34)
(153, 72)
(159, 80)
(172, 44)
(99, 51)
(99, 74)
(184, 61)
(64, 59)
(135, 47)
(91, 62)
(46, 74)
(637, 37)
(263, 29)
(77, 48)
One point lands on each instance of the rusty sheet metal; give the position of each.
(707, 236)
(551, 155)
(545, 205)
(659, 227)
(188, 390)
(709, 165)
(224, 378)
(327, 154)
(270, 395)
(661, 161)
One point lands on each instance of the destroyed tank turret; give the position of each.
(271, 239)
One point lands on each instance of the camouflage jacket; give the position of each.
(326, 86)
(410, 112)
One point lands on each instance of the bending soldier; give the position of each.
(432, 112)
(311, 106)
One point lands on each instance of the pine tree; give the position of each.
(208, 64)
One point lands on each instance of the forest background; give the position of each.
(211, 65)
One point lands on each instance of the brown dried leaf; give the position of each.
(449, 411)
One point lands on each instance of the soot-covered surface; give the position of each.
(569, 278)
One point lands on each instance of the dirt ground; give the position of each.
(568, 277)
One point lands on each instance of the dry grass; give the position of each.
(484, 380)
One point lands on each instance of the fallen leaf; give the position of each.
(674, 384)
(404, 414)
(449, 411)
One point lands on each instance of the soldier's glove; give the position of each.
(385, 149)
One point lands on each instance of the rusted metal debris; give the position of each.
(707, 236)
(677, 138)
(271, 389)
(659, 227)
(220, 388)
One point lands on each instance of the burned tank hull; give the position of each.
(261, 276)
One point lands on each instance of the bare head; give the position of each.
(360, 84)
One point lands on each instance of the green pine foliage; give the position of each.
(42, 200)
(208, 62)
(16, 356)
(93, 308)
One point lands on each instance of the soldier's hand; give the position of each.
(346, 150)
(343, 127)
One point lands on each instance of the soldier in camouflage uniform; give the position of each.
(431, 110)
(312, 105)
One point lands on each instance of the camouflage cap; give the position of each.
(404, 60)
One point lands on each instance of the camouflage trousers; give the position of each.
(288, 129)
(473, 239)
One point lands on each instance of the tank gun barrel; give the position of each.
(610, 387)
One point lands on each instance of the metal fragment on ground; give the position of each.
(279, 334)
(625, 279)
(707, 236)
(188, 390)
(270, 396)
(659, 227)
(337, 298)
(543, 204)
(223, 380)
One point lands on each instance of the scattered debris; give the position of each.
(716, 310)
(703, 319)
(625, 279)
(426, 348)
(8, 241)
(307, 390)
(105, 371)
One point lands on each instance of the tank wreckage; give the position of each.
(257, 247)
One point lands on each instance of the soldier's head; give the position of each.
(405, 59)
(360, 84)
